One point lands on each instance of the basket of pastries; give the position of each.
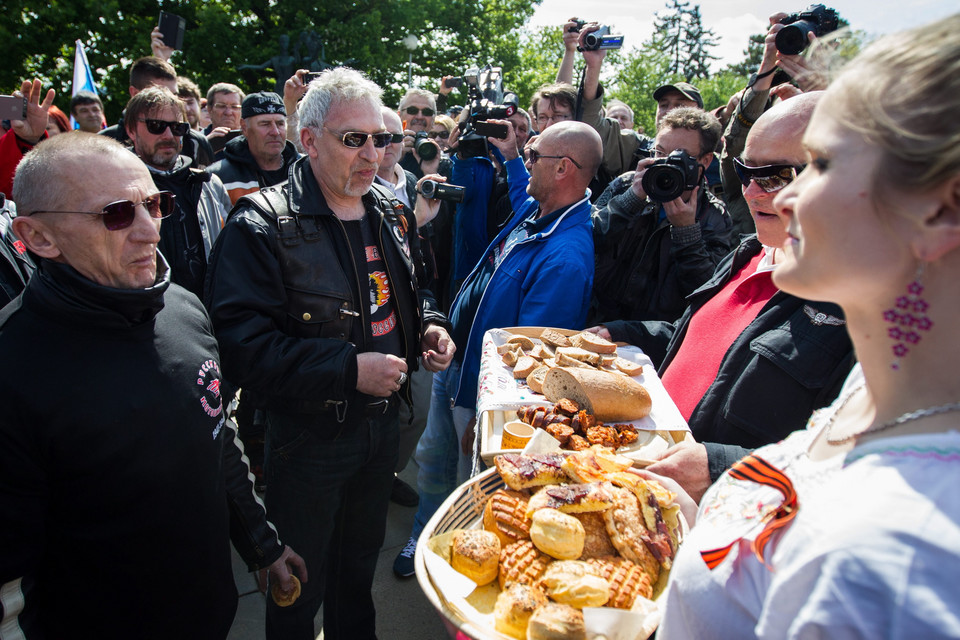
(566, 544)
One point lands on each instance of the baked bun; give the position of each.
(573, 498)
(628, 532)
(626, 580)
(555, 621)
(609, 397)
(505, 514)
(514, 607)
(520, 471)
(285, 598)
(596, 540)
(557, 534)
(521, 562)
(476, 554)
(575, 583)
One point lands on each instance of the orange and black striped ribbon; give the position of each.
(755, 469)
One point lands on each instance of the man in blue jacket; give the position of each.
(537, 271)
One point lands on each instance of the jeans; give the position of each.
(442, 465)
(328, 490)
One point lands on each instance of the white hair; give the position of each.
(331, 88)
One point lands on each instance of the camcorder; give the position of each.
(816, 19)
(486, 100)
(599, 39)
(441, 191)
(668, 177)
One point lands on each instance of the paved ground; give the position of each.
(403, 612)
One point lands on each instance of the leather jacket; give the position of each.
(283, 307)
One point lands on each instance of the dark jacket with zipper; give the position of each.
(788, 362)
(120, 482)
(283, 307)
(240, 173)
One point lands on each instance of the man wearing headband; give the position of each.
(156, 123)
(120, 480)
(261, 157)
(747, 364)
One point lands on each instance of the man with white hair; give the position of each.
(316, 305)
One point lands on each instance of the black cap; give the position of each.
(257, 104)
(688, 90)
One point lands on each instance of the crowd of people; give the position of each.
(291, 314)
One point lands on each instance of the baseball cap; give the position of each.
(688, 90)
(257, 104)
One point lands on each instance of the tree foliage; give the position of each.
(223, 34)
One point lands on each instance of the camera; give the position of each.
(426, 148)
(599, 39)
(668, 177)
(486, 100)
(441, 191)
(816, 18)
(602, 39)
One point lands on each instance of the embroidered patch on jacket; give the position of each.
(820, 318)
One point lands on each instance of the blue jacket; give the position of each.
(545, 280)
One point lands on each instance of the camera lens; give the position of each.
(792, 39)
(427, 187)
(426, 148)
(663, 182)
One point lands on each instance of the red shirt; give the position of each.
(712, 330)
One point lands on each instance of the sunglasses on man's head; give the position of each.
(412, 111)
(156, 127)
(771, 177)
(443, 135)
(356, 139)
(120, 214)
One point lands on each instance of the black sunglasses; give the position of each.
(412, 111)
(443, 135)
(156, 127)
(356, 139)
(120, 214)
(397, 138)
(535, 155)
(771, 177)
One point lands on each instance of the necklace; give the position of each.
(910, 416)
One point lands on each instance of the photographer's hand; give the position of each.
(158, 47)
(571, 38)
(636, 187)
(800, 70)
(426, 209)
(508, 145)
(680, 213)
(444, 89)
(32, 128)
(593, 61)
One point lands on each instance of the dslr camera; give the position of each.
(441, 191)
(599, 39)
(426, 148)
(668, 177)
(486, 100)
(816, 19)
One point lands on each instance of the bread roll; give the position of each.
(505, 514)
(524, 367)
(626, 580)
(593, 342)
(476, 554)
(524, 342)
(557, 534)
(554, 338)
(521, 562)
(575, 583)
(607, 396)
(520, 471)
(536, 378)
(555, 621)
(514, 607)
(285, 598)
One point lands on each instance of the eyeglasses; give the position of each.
(356, 139)
(223, 106)
(535, 156)
(396, 139)
(443, 135)
(156, 127)
(771, 178)
(120, 214)
(412, 111)
(557, 117)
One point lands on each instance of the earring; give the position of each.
(909, 316)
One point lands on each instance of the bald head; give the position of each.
(777, 136)
(577, 140)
